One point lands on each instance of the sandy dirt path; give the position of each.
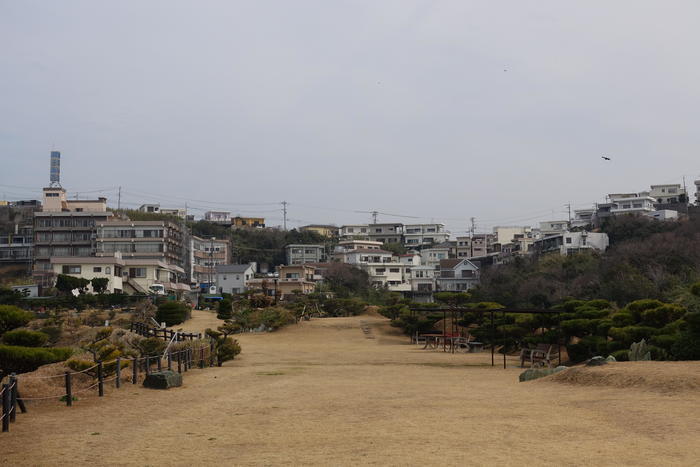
(323, 393)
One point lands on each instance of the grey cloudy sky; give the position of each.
(438, 109)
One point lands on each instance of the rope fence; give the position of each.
(184, 359)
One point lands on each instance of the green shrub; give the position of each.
(591, 313)
(695, 289)
(673, 328)
(687, 347)
(664, 341)
(54, 333)
(602, 326)
(227, 349)
(621, 355)
(172, 313)
(639, 306)
(25, 338)
(661, 316)
(577, 327)
(579, 352)
(225, 309)
(16, 359)
(622, 318)
(630, 334)
(693, 322)
(12, 317)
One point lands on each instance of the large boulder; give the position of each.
(534, 373)
(597, 361)
(163, 380)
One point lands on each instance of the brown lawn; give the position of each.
(323, 393)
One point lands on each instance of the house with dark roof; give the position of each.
(456, 275)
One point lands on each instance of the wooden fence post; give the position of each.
(100, 379)
(5, 407)
(13, 397)
(118, 371)
(18, 396)
(201, 357)
(179, 361)
(69, 390)
(211, 353)
(148, 365)
(170, 361)
(160, 363)
(135, 370)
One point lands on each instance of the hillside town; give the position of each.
(86, 238)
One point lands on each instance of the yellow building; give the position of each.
(239, 222)
(329, 231)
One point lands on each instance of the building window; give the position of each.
(568, 239)
(137, 272)
(394, 270)
(71, 269)
(97, 269)
(108, 270)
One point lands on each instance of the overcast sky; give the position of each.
(442, 110)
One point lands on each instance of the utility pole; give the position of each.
(471, 237)
(211, 262)
(119, 199)
(374, 216)
(284, 211)
(569, 207)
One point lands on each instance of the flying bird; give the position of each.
(605, 157)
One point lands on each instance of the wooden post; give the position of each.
(100, 379)
(13, 397)
(135, 370)
(160, 363)
(179, 361)
(201, 357)
(170, 361)
(148, 366)
(69, 390)
(5, 407)
(18, 396)
(118, 371)
(211, 353)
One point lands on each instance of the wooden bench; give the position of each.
(538, 356)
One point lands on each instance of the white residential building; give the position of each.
(631, 203)
(234, 278)
(218, 216)
(432, 256)
(553, 227)
(385, 233)
(422, 279)
(351, 231)
(300, 254)
(583, 217)
(574, 242)
(457, 275)
(506, 234)
(669, 194)
(92, 267)
(420, 235)
(663, 215)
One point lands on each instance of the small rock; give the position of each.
(163, 380)
(534, 373)
(610, 359)
(597, 361)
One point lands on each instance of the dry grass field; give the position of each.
(323, 393)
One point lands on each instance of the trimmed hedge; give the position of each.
(12, 317)
(172, 313)
(17, 359)
(25, 338)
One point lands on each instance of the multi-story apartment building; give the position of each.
(433, 256)
(631, 203)
(300, 254)
(17, 233)
(385, 233)
(423, 235)
(583, 217)
(476, 246)
(697, 192)
(205, 256)
(354, 231)
(567, 243)
(330, 231)
(239, 222)
(506, 233)
(157, 240)
(65, 228)
(553, 227)
(669, 194)
(223, 217)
